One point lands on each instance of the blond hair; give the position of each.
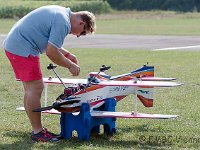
(89, 20)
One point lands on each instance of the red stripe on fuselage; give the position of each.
(89, 89)
(146, 102)
(118, 98)
(95, 102)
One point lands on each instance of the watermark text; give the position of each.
(167, 139)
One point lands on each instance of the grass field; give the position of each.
(139, 23)
(149, 23)
(180, 133)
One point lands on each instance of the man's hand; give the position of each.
(57, 56)
(74, 69)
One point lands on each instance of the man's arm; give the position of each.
(68, 55)
(64, 51)
(58, 58)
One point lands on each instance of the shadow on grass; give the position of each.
(103, 141)
(23, 140)
(147, 137)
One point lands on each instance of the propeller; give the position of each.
(43, 109)
(56, 105)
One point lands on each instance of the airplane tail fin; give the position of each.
(145, 95)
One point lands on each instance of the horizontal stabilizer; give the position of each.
(106, 114)
(140, 83)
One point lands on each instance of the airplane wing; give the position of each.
(156, 79)
(107, 114)
(140, 83)
(66, 81)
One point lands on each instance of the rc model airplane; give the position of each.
(99, 87)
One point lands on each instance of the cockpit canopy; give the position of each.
(96, 78)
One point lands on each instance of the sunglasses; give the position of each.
(84, 31)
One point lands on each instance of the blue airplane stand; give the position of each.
(84, 124)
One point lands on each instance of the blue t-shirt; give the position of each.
(31, 34)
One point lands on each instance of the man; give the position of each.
(43, 30)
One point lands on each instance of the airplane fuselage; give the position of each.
(95, 95)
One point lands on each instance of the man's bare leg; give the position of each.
(33, 91)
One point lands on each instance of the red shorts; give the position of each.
(25, 68)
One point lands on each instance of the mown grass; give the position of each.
(149, 23)
(6, 25)
(179, 133)
(139, 23)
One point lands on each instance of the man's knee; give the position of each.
(34, 87)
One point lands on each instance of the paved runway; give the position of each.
(131, 42)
